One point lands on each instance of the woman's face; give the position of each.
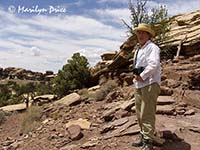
(142, 37)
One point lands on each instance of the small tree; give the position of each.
(74, 75)
(156, 17)
(25, 92)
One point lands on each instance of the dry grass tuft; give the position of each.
(32, 119)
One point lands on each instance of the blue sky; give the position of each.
(45, 41)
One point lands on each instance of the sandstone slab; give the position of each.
(127, 104)
(16, 107)
(165, 100)
(83, 123)
(69, 100)
(165, 109)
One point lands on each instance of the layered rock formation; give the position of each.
(22, 74)
(185, 33)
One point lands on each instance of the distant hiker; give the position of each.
(146, 84)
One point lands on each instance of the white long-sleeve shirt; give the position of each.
(148, 56)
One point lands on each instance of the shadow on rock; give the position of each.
(176, 145)
(173, 142)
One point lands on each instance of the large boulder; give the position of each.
(75, 132)
(69, 100)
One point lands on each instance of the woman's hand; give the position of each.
(138, 78)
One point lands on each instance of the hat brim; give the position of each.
(150, 31)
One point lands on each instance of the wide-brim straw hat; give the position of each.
(144, 27)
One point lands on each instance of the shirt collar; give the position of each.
(145, 44)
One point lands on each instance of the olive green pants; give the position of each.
(145, 102)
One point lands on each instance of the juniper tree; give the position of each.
(74, 75)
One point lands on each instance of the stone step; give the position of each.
(165, 109)
(165, 100)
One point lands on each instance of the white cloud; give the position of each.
(35, 51)
(113, 15)
(182, 6)
(177, 6)
(53, 40)
(113, 1)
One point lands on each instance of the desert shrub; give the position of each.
(84, 93)
(110, 85)
(104, 90)
(56, 115)
(100, 94)
(32, 119)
